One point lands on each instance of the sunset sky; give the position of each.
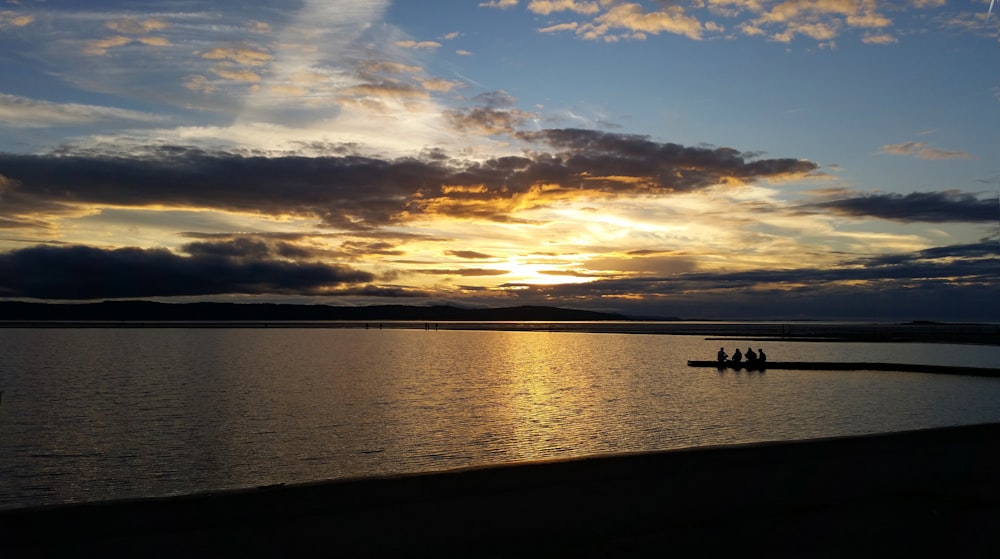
(703, 159)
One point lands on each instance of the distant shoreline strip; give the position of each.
(982, 334)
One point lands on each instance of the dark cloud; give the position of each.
(498, 99)
(354, 192)
(933, 207)
(80, 272)
(468, 272)
(256, 246)
(665, 166)
(575, 274)
(240, 248)
(487, 120)
(341, 191)
(468, 254)
(981, 249)
(360, 248)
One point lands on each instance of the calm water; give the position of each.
(94, 414)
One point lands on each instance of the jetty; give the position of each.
(849, 366)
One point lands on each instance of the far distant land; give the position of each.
(14, 314)
(150, 311)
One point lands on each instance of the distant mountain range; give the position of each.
(149, 311)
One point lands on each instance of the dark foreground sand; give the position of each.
(933, 493)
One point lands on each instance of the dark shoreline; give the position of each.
(151, 314)
(927, 493)
(979, 334)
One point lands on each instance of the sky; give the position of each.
(716, 159)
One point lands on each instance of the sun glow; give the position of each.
(541, 273)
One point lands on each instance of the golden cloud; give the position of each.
(418, 44)
(134, 27)
(922, 150)
(781, 20)
(245, 56)
(13, 19)
(99, 47)
(439, 85)
(154, 41)
(546, 7)
(235, 74)
(632, 17)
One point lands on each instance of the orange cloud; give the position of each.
(14, 19)
(418, 44)
(245, 56)
(546, 7)
(134, 27)
(99, 47)
(922, 150)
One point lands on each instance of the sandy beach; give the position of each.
(929, 493)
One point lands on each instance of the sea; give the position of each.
(94, 414)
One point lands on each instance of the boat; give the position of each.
(848, 366)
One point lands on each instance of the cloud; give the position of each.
(569, 26)
(978, 250)
(99, 47)
(501, 4)
(355, 192)
(922, 150)
(13, 19)
(240, 55)
(777, 20)
(125, 27)
(468, 254)
(466, 272)
(633, 18)
(879, 39)
(933, 207)
(425, 45)
(623, 161)
(439, 85)
(221, 62)
(236, 74)
(487, 121)
(22, 112)
(546, 7)
(949, 282)
(133, 26)
(79, 272)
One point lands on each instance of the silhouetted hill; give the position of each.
(148, 311)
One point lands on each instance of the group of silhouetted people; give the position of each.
(752, 358)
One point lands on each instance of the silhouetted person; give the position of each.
(738, 356)
(721, 356)
(761, 356)
(751, 356)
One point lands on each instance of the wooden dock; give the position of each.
(849, 366)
